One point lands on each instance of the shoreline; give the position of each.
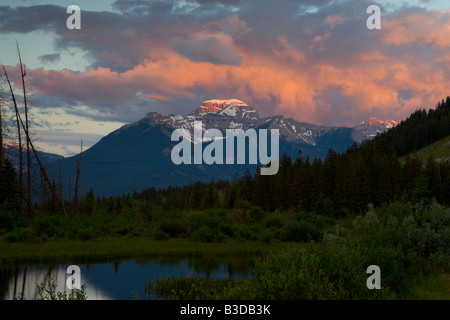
(122, 248)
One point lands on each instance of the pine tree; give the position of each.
(210, 200)
(197, 195)
(421, 193)
(9, 190)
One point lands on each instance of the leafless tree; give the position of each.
(16, 110)
(29, 142)
(23, 73)
(77, 180)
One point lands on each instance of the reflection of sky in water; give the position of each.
(123, 280)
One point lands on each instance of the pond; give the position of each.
(122, 280)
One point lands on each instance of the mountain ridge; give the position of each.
(138, 155)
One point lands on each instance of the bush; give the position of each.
(242, 232)
(257, 214)
(50, 225)
(160, 235)
(203, 234)
(273, 222)
(209, 226)
(188, 288)
(266, 236)
(87, 233)
(170, 226)
(24, 234)
(47, 291)
(299, 231)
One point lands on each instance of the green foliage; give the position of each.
(24, 234)
(209, 226)
(187, 288)
(403, 240)
(299, 231)
(47, 291)
(9, 190)
(257, 214)
(170, 226)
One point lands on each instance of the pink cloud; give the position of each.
(424, 27)
(299, 74)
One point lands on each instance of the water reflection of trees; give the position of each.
(233, 266)
(207, 265)
(23, 281)
(19, 281)
(5, 279)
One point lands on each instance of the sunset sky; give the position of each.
(312, 60)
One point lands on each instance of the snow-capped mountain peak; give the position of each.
(236, 114)
(375, 122)
(371, 128)
(216, 105)
(229, 107)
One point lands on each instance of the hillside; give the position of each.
(440, 151)
(422, 128)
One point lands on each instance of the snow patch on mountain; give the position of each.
(236, 114)
(371, 128)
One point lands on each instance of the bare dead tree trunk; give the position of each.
(77, 179)
(23, 73)
(98, 189)
(16, 109)
(16, 274)
(55, 195)
(70, 184)
(24, 280)
(2, 153)
(50, 184)
(60, 180)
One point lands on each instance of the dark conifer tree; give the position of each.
(9, 190)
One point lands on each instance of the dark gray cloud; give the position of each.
(50, 58)
(208, 49)
(27, 19)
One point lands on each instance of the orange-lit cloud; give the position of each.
(326, 68)
(418, 27)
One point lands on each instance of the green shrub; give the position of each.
(208, 226)
(299, 231)
(159, 235)
(170, 226)
(87, 233)
(188, 288)
(24, 234)
(242, 232)
(273, 222)
(266, 236)
(47, 291)
(203, 233)
(256, 214)
(50, 225)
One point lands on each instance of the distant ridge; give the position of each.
(138, 155)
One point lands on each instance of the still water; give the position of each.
(124, 280)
